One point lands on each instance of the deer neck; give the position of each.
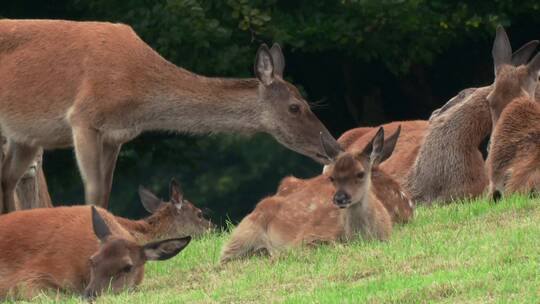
(356, 217)
(139, 229)
(188, 103)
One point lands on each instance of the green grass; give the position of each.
(473, 252)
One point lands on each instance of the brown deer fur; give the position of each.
(95, 86)
(306, 216)
(32, 190)
(450, 165)
(514, 159)
(176, 218)
(50, 248)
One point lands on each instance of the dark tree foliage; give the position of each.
(360, 61)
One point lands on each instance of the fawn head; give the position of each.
(178, 216)
(285, 113)
(351, 173)
(119, 263)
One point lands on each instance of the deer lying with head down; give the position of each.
(175, 218)
(75, 249)
(514, 159)
(307, 216)
(96, 86)
(449, 165)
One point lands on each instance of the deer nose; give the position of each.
(342, 199)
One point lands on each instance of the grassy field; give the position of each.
(473, 252)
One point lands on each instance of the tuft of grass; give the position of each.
(472, 251)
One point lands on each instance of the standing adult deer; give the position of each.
(450, 165)
(308, 217)
(95, 86)
(78, 249)
(514, 159)
(32, 190)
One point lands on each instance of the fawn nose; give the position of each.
(342, 199)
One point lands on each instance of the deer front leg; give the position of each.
(89, 151)
(108, 164)
(18, 158)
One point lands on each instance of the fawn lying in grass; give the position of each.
(307, 215)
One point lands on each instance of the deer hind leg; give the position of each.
(108, 164)
(88, 145)
(245, 240)
(18, 158)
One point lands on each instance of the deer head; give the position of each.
(351, 174)
(285, 113)
(180, 216)
(119, 263)
(514, 77)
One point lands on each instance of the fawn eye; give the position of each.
(127, 268)
(360, 175)
(331, 179)
(294, 108)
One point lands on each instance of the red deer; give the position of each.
(96, 85)
(308, 217)
(57, 248)
(176, 218)
(32, 190)
(450, 165)
(514, 159)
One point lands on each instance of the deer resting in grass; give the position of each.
(77, 249)
(449, 165)
(96, 85)
(320, 211)
(175, 218)
(514, 159)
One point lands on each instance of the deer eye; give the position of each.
(294, 108)
(331, 179)
(360, 175)
(127, 268)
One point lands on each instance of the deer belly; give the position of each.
(49, 134)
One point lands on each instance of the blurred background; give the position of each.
(362, 62)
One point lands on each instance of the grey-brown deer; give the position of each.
(95, 86)
(307, 216)
(514, 158)
(450, 165)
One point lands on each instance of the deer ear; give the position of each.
(371, 155)
(264, 65)
(278, 59)
(534, 67)
(176, 195)
(523, 54)
(164, 250)
(149, 201)
(389, 145)
(329, 147)
(502, 51)
(101, 230)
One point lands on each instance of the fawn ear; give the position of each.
(372, 154)
(164, 250)
(176, 194)
(278, 59)
(330, 148)
(534, 67)
(149, 201)
(264, 65)
(389, 145)
(101, 230)
(502, 51)
(523, 54)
